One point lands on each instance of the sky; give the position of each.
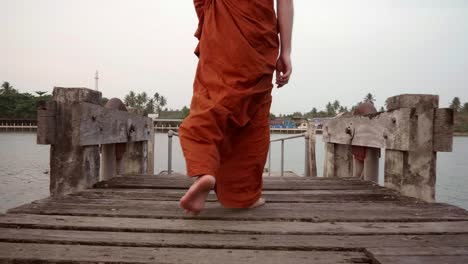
(342, 49)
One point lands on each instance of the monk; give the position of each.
(225, 138)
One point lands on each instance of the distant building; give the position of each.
(319, 122)
(282, 122)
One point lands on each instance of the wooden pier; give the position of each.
(135, 217)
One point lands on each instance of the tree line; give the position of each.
(331, 109)
(14, 104)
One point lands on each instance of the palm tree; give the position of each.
(456, 104)
(141, 100)
(130, 99)
(369, 98)
(7, 89)
(40, 93)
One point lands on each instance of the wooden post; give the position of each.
(72, 167)
(312, 162)
(413, 172)
(135, 158)
(329, 160)
(338, 161)
(150, 148)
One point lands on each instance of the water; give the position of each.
(24, 166)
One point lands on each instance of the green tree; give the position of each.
(330, 110)
(456, 104)
(104, 101)
(336, 105)
(130, 99)
(40, 93)
(185, 111)
(369, 98)
(465, 108)
(382, 109)
(7, 89)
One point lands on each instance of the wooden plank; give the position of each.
(430, 249)
(427, 254)
(270, 196)
(98, 125)
(315, 212)
(421, 259)
(390, 130)
(119, 224)
(387, 244)
(34, 253)
(443, 130)
(148, 182)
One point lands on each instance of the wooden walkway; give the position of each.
(136, 219)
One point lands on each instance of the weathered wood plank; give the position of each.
(315, 212)
(98, 125)
(270, 196)
(118, 224)
(427, 254)
(443, 130)
(421, 259)
(34, 253)
(390, 130)
(156, 182)
(435, 248)
(381, 244)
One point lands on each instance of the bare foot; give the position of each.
(194, 199)
(261, 201)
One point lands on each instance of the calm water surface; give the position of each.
(24, 167)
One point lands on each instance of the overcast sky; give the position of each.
(342, 49)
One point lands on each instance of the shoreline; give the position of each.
(460, 134)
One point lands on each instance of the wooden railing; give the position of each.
(412, 131)
(78, 128)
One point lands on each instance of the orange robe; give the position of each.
(227, 132)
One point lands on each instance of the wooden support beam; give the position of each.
(98, 125)
(391, 130)
(72, 167)
(414, 172)
(311, 162)
(338, 161)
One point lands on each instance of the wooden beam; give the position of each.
(98, 125)
(390, 130)
(418, 176)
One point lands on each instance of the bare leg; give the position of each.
(194, 199)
